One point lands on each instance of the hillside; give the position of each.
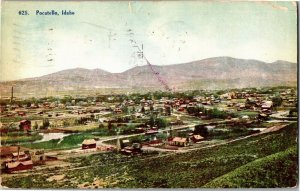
(277, 171)
(211, 73)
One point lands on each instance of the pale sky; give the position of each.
(171, 31)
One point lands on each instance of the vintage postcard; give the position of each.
(149, 94)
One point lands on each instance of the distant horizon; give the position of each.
(109, 34)
(74, 68)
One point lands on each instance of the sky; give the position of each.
(107, 35)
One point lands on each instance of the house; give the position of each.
(34, 106)
(196, 138)
(179, 141)
(136, 148)
(151, 132)
(21, 113)
(21, 156)
(25, 125)
(2, 108)
(263, 116)
(242, 106)
(118, 110)
(88, 144)
(245, 117)
(125, 143)
(267, 105)
(18, 165)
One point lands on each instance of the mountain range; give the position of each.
(211, 73)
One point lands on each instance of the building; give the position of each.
(267, 105)
(25, 125)
(179, 141)
(20, 156)
(21, 113)
(136, 148)
(88, 144)
(151, 132)
(196, 138)
(18, 165)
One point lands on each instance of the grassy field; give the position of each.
(68, 142)
(82, 128)
(243, 163)
(19, 118)
(249, 113)
(15, 138)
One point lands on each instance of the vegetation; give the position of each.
(277, 170)
(211, 113)
(19, 118)
(201, 130)
(45, 124)
(277, 101)
(71, 141)
(159, 122)
(19, 137)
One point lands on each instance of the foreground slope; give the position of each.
(274, 171)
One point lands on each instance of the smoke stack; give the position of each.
(12, 94)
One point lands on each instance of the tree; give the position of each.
(143, 110)
(168, 110)
(66, 123)
(109, 126)
(151, 121)
(293, 112)
(125, 109)
(216, 113)
(35, 126)
(201, 130)
(151, 107)
(46, 123)
(133, 109)
(277, 101)
(194, 110)
(161, 123)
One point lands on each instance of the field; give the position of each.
(272, 157)
(68, 142)
(19, 137)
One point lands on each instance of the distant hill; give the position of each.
(211, 73)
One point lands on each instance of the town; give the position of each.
(48, 132)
